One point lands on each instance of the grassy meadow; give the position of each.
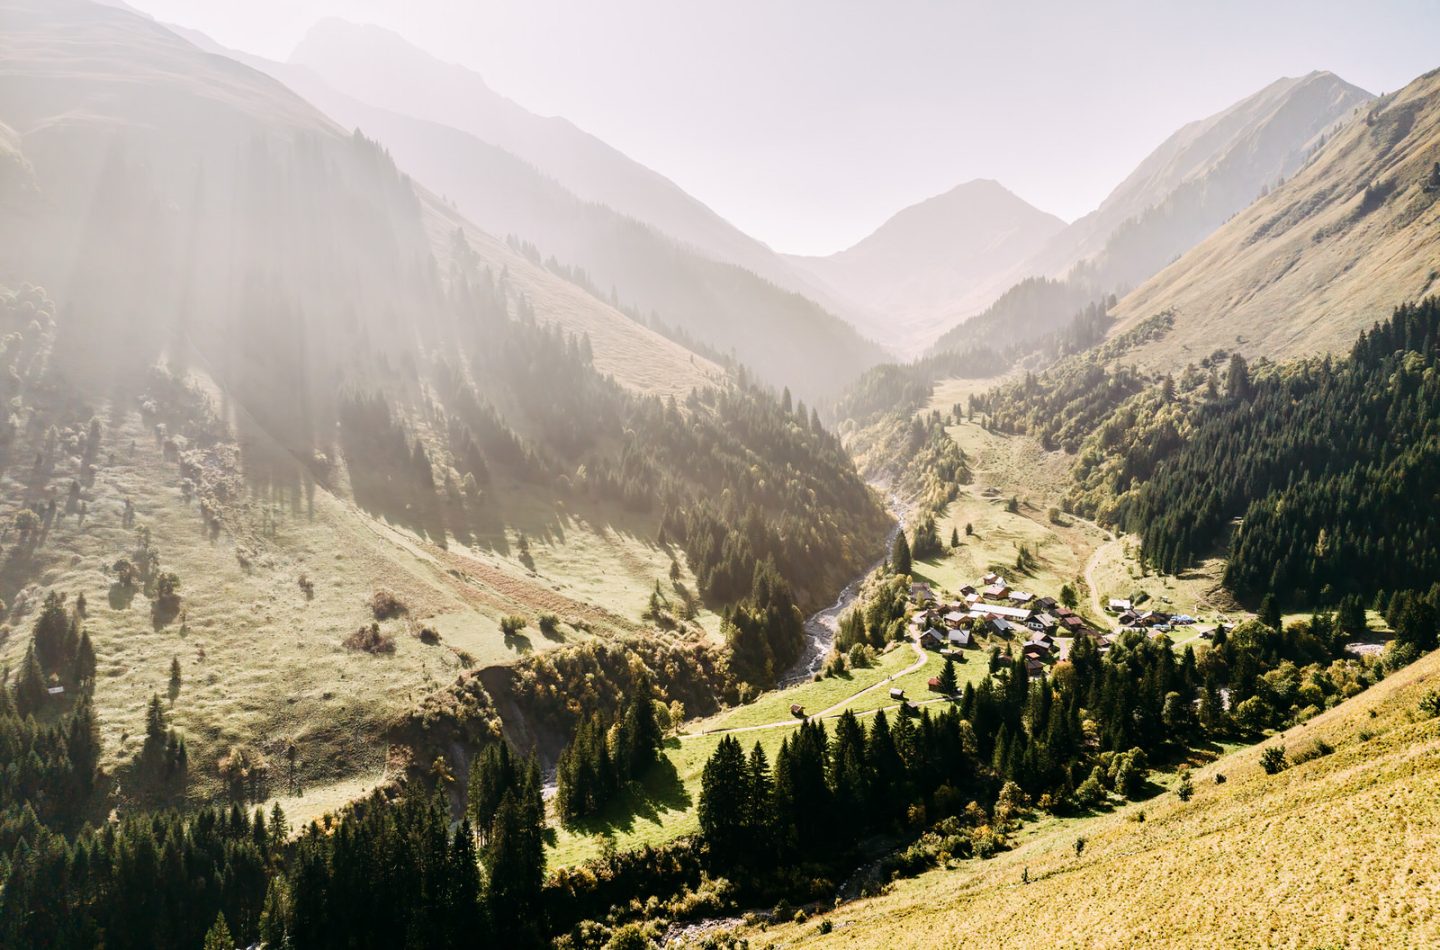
(262, 661)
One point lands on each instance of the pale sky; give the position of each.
(809, 122)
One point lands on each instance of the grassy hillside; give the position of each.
(1320, 258)
(1332, 852)
(265, 361)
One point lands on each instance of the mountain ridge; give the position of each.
(911, 270)
(1332, 250)
(419, 84)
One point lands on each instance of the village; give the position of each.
(1043, 628)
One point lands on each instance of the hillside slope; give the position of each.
(1304, 269)
(1337, 851)
(946, 254)
(378, 67)
(786, 338)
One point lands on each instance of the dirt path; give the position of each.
(837, 708)
(1090, 565)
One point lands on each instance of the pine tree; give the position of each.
(1269, 613)
(30, 689)
(218, 936)
(947, 679)
(84, 668)
(900, 555)
(724, 802)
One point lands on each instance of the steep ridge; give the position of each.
(784, 337)
(1192, 183)
(135, 190)
(1238, 865)
(1307, 267)
(950, 252)
(378, 67)
(1202, 174)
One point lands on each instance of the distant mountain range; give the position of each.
(954, 252)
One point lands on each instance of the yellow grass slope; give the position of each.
(1340, 851)
(1306, 268)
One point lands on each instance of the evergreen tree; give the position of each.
(218, 936)
(1269, 613)
(725, 801)
(948, 684)
(900, 555)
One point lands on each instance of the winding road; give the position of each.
(837, 708)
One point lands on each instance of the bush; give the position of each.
(384, 605)
(1317, 749)
(1273, 760)
(1430, 704)
(511, 625)
(549, 624)
(371, 640)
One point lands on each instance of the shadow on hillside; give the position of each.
(661, 790)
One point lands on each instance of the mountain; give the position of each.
(378, 67)
(128, 194)
(1321, 257)
(946, 254)
(369, 443)
(787, 339)
(1197, 179)
(1200, 176)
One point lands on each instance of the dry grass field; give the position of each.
(1340, 851)
(262, 662)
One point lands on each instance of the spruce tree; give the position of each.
(900, 555)
(948, 683)
(1269, 613)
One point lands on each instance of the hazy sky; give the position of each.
(808, 122)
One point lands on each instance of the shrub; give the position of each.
(511, 625)
(549, 624)
(371, 640)
(1430, 704)
(1317, 749)
(1273, 760)
(861, 656)
(429, 636)
(384, 605)
(1186, 789)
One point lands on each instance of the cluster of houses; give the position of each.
(995, 609)
(1155, 622)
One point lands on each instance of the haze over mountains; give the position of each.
(635, 235)
(953, 252)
